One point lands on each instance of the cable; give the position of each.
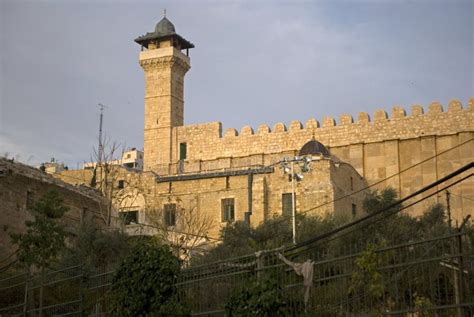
(374, 184)
(315, 207)
(8, 257)
(345, 196)
(462, 197)
(140, 224)
(164, 229)
(6, 267)
(360, 220)
(386, 215)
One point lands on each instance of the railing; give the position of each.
(421, 278)
(431, 277)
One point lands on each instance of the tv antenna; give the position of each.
(101, 146)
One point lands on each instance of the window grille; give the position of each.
(228, 210)
(170, 215)
(287, 204)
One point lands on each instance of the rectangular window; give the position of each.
(227, 182)
(170, 215)
(29, 200)
(354, 210)
(121, 184)
(228, 209)
(287, 204)
(352, 183)
(182, 151)
(129, 217)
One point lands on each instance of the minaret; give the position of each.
(165, 65)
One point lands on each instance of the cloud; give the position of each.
(254, 62)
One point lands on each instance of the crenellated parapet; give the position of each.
(400, 124)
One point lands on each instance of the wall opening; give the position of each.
(287, 204)
(354, 210)
(129, 217)
(182, 151)
(228, 209)
(170, 215)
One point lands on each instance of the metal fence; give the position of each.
(69, 291)
(433, 277)
(424, 278)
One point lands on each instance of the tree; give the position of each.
(107, 158)
(44, 238)
(262, 297)
(97, 249)
(185, 229)
(144, 284)
(366, 284)
(43, 241)
(238, 238)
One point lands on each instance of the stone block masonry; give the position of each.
(21, 186)
(377, 149)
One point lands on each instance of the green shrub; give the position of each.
(144, 284)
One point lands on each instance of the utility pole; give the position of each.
(293, 203)
(289, 168)
(101, 146)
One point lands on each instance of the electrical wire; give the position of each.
(386, 215)
(373, 184)
(400, 201)
(312, 208)
(462, 197)
(170, 230)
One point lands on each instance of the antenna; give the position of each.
(101, 149)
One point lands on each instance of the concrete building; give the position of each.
(131, 159)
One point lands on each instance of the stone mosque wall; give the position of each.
(206, 141)
(377, 149)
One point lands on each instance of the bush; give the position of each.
(144, 284)
(262, 297)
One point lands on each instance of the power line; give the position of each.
(170, 230)
(462, 197)
(321, 205)
(373, 184)
(142, 224)
(386, 215)
(312, 208)
(400, 201)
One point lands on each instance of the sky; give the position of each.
(254, 62)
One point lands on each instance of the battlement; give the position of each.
(380, 116)
(208, 142)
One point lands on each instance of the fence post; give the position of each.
(81, 292)
(259, 259)
(460, 277)
(25, 302)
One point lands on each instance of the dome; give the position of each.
(314, 147)
(165, 27)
